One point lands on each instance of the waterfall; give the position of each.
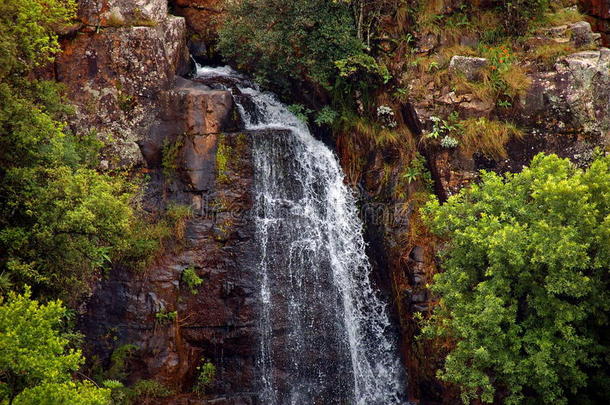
(326, 336)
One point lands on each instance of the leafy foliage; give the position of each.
(283, 41)
(191, 279)
(35, 365)
(27, 33)
(60, 220)
(525, 294)
(206, 373)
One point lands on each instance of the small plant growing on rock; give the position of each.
(164, 317)
(191, 279)
(206, 373)
(449, 142)
(169, 156)
(441, 127)
(386, 115)
(300, 111)
(222, 162)
(326, 116)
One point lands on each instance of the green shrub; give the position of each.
(150, 389)
(191, 279)
(525, 294)
(36, 364)
(141, 390)
(283, 42)
(206, 373)
(118, 361)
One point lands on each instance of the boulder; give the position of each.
(581, 33)
(122, 12)
(114, 78)
(468, 66)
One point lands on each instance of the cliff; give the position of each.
(124, 65)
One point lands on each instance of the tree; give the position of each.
(60, 220)
(525, 288)
(35, 365)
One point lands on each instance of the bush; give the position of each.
(282, 42)
(206, 373)
(191, 279)
(36, 365)
(525, 291)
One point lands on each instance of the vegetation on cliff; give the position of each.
(62, 221)
(524, 292)
(523, 296)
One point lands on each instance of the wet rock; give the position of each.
(417, 254)
(470, 67)
(219, 322)
(200, 162)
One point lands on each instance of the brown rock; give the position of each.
(114, 78)
(122, 12)
(203, 18)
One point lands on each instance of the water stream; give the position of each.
(326, 336)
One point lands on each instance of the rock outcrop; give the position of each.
(203, 18)
(600, 12)
(217, 322)
(115, 73)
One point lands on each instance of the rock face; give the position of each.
(203, 18)
(218, 322)
(114, 75)
(600, 11)
(576, 92)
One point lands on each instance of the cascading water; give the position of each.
(325, 333)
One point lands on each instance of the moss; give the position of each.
(170, 154)
(223, 152)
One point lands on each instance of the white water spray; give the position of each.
(326, 337)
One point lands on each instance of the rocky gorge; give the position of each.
(129, 69)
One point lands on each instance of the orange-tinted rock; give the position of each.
(114, 78)
(203, 18)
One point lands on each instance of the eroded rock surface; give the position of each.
(218, 322)
(114, 75)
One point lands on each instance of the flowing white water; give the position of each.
(326, 337)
